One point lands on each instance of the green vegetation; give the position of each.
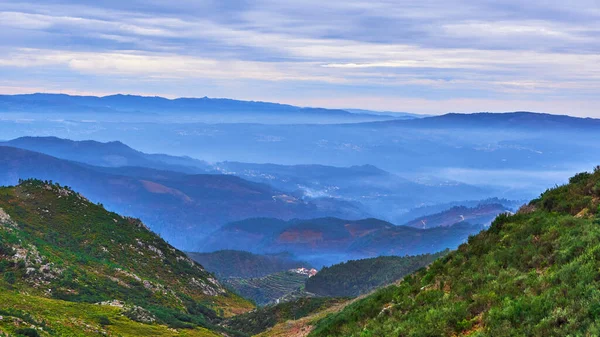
(55, 244)
(23, 314)
(535, 273)
(266, 290)
(235, 263)
(357, 277)
(264, 318)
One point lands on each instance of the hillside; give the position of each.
(267, 289)
(358, 277)
(57, 246)
(403, 240)
(482, 214)
(534, 273)
(242, 264)
(261, 319)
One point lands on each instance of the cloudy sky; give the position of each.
(428, 56)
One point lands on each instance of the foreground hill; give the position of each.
(530, 274)
(56, 246)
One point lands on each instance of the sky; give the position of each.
(428, 56)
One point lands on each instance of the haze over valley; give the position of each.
(299, 168)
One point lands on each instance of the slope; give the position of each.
(482, 214)
(530, 274)
(267, 289)
(56, 244)
(357, 277)
(236, 263)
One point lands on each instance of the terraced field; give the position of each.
(266, 290)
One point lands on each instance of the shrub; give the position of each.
(29, 332)
(103, 320)
(9, 277)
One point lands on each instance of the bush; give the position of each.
(103, 320)
(29, 332)
(9, 277)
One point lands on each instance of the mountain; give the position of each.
(404, 240)
(59, 252)
(234, 263)
(507, 121)
(381, 192)
(110, 154)
(418, 213)
(482, 214)
(534, 273)
(395, 114)
(168, 201)
(357, 277)
(266, 235)
(327, 241)
(374, 189)
(158, 108)
(267, 289)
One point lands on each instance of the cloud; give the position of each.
(459, 49)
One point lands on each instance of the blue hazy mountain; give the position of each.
(378, 191)
(111, 154)
(181, 207)
(509, 120)
(160, 108)
(325, 241)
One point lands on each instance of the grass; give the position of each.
(63, 318)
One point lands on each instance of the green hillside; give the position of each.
(261, 319)
(56, 246)
(535, 273)
(266, 290)
(357, 277)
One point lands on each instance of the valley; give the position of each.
(279, 247)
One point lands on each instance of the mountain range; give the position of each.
(190, 109)
(326, 241)
(169, 201)
(366, 188)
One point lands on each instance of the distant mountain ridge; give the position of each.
(111, 154)
(133, 104)
(168, 201)
(367, 187)
(506, 120)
